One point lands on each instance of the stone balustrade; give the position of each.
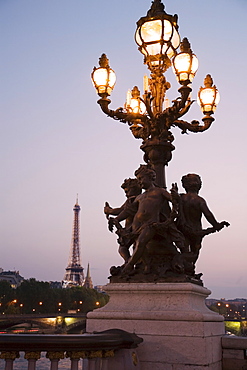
(234, 352)
(109, 350)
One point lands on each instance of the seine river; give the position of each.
(42, 364)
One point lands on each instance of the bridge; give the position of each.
(46, 323)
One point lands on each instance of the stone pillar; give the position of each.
(178, 330)
(75, 358)
(121, 359)
(32, 358)
(55, 357)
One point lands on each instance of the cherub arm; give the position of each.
(128, 210)
(108, 210)
(210, 217)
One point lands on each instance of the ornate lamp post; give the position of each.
(158, 40)
(166, 242)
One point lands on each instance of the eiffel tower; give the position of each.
(74, 275)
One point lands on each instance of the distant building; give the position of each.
(231, 309)
(88, 280)
(210, 301)
(13, 277)
(55, 284)
(99, 288)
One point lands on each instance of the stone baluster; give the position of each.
(75, 357)
(9, 358)
(105, 359)
(74, 363)
(54, 357)
(96, 360)
(32, 358)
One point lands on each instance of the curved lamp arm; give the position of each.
(179, 108)
(194, 126)
(118, 114)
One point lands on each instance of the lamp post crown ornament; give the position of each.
(208, 81)
(185, 46)
(163, 227)
(104, 61)
(135, 92)
(157, 9)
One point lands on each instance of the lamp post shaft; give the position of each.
(157, 155)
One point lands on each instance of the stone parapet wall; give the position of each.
(234, 353)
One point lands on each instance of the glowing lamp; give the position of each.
(185, 64)
(208, 96)
(157, 36)
(133, 102)
(103, 77)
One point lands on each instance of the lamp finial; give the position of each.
(157, 7)
(104, 61)
(208, 81)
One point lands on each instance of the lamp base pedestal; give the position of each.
(179, 332)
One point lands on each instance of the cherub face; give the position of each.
(131, 191)
(145, 180)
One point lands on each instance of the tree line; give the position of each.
(34, 296)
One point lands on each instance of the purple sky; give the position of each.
(56, 142)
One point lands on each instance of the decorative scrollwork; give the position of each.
(75, 355)
(30, 355)
(109, 353)
(55, 355)
(9, 355)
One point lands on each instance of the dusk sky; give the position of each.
(56, 142)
